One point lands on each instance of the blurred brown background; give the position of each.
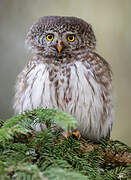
(111, 21)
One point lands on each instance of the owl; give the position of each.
(66, 73)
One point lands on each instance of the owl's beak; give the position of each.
(59, 46)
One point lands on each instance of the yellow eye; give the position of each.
(71, 37)
(50, 37)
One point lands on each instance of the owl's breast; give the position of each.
(68, 87)
(72, 88)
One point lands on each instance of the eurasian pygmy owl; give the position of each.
(66, 73)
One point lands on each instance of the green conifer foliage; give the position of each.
(29, 155)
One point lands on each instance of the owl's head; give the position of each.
(58, 35)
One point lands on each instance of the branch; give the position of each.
(47, 154)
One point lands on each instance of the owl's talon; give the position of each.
(73, 133)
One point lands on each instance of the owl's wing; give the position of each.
(102, 75)
(101, 69)
(21, 85)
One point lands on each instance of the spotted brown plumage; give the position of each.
(75, 79)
